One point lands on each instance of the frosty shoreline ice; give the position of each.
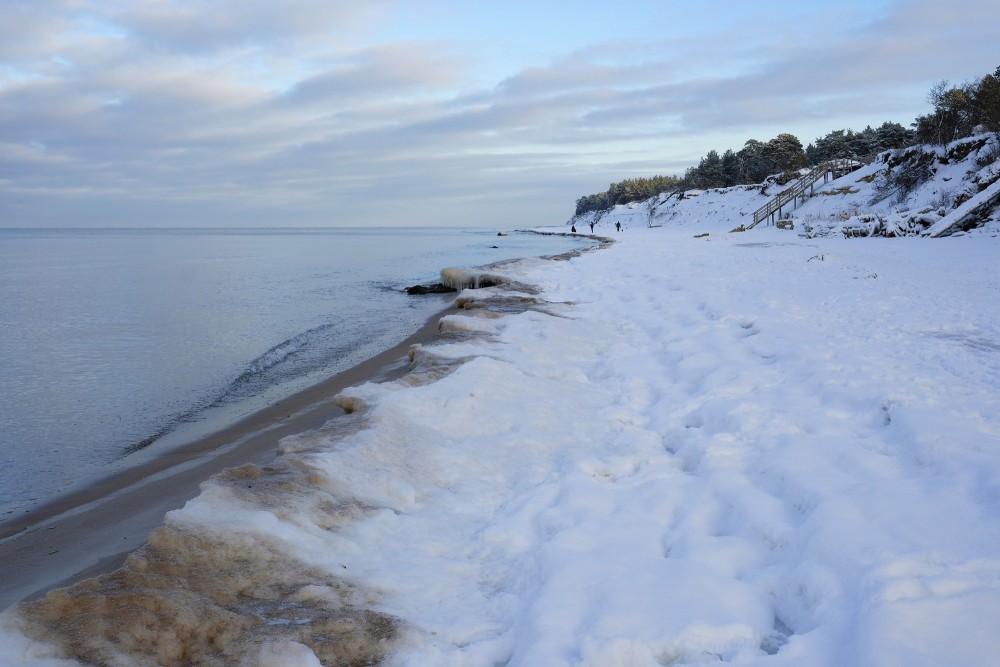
(90, 530)
(119, 344)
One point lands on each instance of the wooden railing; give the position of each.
(798, 189)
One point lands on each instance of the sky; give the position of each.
(191, 113)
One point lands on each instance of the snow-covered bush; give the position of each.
(905, 173)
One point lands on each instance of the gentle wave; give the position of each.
(253, 372)
(281, 352)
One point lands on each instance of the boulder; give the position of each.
(436, 288)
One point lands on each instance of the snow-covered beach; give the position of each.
(692, 446)
(752, 448)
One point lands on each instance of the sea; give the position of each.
(116, 343)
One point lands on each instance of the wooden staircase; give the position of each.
(836, 168)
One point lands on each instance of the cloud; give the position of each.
(198, 26)
(224, 112)
(29, 30)
(860, 65)
(385, 72)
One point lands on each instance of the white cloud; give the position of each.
(308, 109)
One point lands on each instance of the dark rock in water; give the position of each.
(436, 288)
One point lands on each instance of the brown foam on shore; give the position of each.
(91, 531)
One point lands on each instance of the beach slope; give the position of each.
(754, 448)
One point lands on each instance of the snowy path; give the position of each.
(720, 451)
(752, 449)
(834, 425)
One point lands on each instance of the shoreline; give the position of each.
(91, 530)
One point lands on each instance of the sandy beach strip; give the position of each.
(90, 532)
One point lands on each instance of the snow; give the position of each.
(747, 447)
(960, 212)
(960, 177)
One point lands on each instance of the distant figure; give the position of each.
(618, 226)
(591, 228)
(573, 229)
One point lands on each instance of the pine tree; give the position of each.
(785, 153)
(985, 102)
(730, 169)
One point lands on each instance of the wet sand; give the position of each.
(91, 531)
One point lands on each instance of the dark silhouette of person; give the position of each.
(591, 228)
(618, 226)
(573, 229)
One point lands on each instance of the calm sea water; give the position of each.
(115, 341)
